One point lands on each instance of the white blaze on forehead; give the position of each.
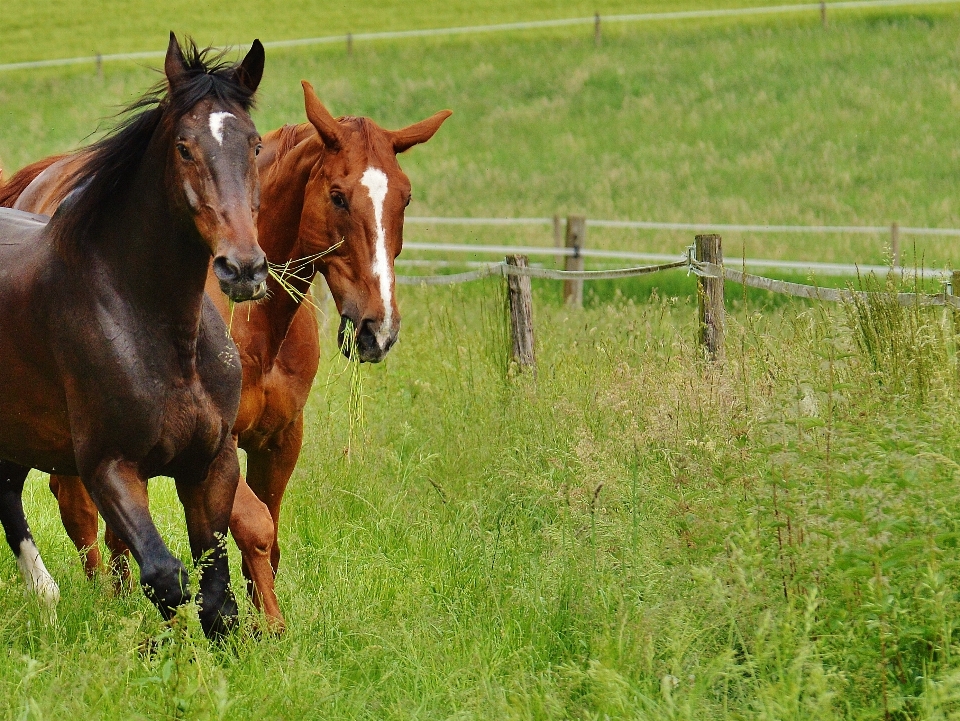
(216, 125)
(39, 581)
(375, 181)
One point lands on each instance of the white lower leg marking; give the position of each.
(39, 581)
(375, 181)
(216, 125)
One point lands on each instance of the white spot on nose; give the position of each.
(216, 125)
(39, 581)
(375, 181)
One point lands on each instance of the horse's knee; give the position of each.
(166, 585)
(252, 527)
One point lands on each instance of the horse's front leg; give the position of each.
(207, 503)
(120, 492)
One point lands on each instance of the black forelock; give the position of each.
(109, 163)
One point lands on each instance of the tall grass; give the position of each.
(636, 535)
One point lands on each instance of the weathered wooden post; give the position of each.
(596, 29)
(710, 297)
(558, 235)
(823, 13)
(895, 244)
(521, 314)
(576, 236)
(349, 44)
(99, 65)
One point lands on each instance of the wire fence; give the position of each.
(697, 227)
(699, 268)
(350, 38)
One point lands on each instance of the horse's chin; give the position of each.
(245, 291)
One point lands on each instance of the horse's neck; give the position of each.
(283, 185)
(155, 254)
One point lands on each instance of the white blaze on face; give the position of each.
(39, 581)
(216, 125)
(375, 181)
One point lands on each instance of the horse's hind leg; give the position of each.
(39, 581)
(79, 516)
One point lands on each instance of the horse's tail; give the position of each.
(13, 188)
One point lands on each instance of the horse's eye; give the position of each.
(184, 151)
(339, 200)
(258, 149)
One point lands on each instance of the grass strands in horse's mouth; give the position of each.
(283, 273)
(355, 401)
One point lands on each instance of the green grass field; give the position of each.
(634, 534)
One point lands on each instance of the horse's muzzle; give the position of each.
(242, 280)
(370, 345)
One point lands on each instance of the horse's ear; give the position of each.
(174, 66)
(250, 72)
(418, 132)
(321, 119)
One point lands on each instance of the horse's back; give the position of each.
(34, 427)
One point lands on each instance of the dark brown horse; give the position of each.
(114, 364)
(333, 198)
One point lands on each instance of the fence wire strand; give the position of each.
(704, 270)
(502, 269)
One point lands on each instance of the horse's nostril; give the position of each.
(259, 269)
(226, 269)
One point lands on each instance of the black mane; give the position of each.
(110, 163)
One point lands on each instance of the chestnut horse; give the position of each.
(114, 363)
(333, 199)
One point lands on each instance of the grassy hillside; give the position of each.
(773, 122)
(67, 28)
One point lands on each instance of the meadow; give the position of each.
(634, 533)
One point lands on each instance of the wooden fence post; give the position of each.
(823, 13)
(596, 29)
(895, 244)
(710, 297)
(558, 235)
(99, 65)
(521, 314)
(576, 236)
(349, 44)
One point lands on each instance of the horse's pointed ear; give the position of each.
(418, 132)
(250, 72)
(174, 66)
(321, 119)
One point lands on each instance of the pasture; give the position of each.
(634, 534)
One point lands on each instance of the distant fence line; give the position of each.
(595, 20)
(704, 259)
(572, 248)
(696, 227)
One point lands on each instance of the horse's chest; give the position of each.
(189, 424)
(268, 404)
